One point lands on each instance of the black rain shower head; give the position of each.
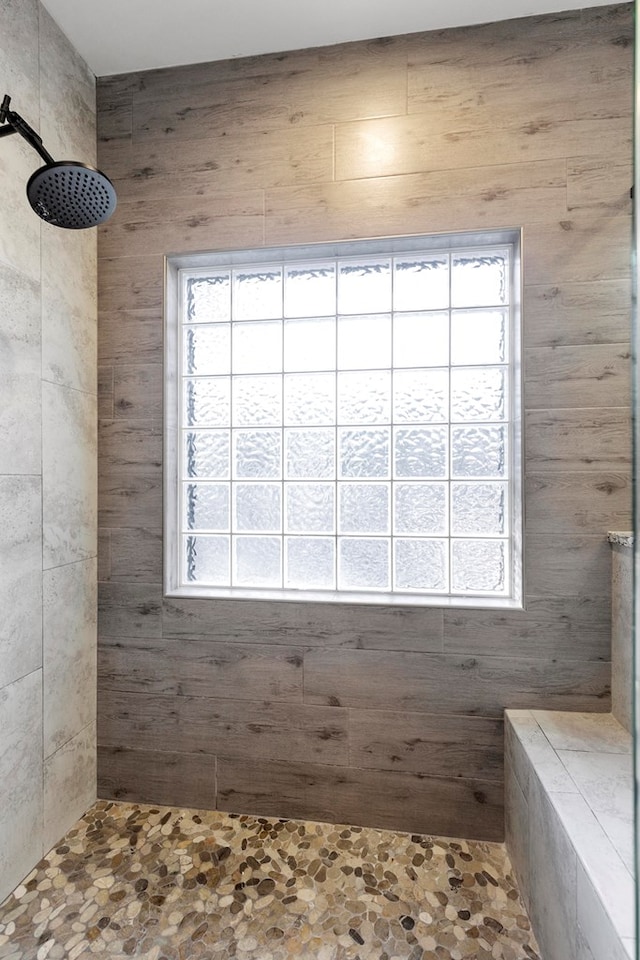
(66, 194)
(72, 195)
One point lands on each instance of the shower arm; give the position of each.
(15, 124)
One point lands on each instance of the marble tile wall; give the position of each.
(396, 712)
(47, 458)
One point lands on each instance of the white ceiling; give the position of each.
(119, 36)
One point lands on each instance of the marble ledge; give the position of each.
(624, 538)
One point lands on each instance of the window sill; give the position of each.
(334, 596)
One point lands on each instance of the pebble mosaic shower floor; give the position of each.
(170, 884)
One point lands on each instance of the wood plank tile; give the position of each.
(129, 610)
(130, 501)
(571, 628)
(129, 447)
(202, 79)
(266, 730)
(201, 668)
(140, 720)
(400, 801)
(137, 391)
(104, 554)
(441, 201)
(246, 161)
(114, 124)
(131, 283)
(117, 87)
(591, 375)
(422, 142)
(521, 100)
(450, 684)
(105, 393)
(600, 184)
(126, 334)
(147, 776)
(115, 158)
(570, 313)
(183, 225)
(114, 114)
(566, 566)
(545, 58)
(136, 554)
(577, 249)
(615, 15)
(577, 503)
(306, 624)
(308, 88)
(240, 728)
(583, 439)
(199, 77)
(435, 746)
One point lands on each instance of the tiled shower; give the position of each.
(363, 714)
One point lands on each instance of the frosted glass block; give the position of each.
(364, 286)
(421, 452)
(479, 336)
(207, 349)
(479, 566)
(257, 507)
(421, 282)
(209, 298)
(364, 508)
(310, 507)
(480, 280)
(364, 397)
(206, 506)
(363, 564)
(310, 344)
(257, 293)
(309, 399)
(478, 394)
(256, 347)
(257, 401)
(310, 290)
(421, 340)
(310, 563)
(257, 562)
(206, 454)
(478, 508)
(421, 565)
(207, 402)
(421, 396)
(364, 453)
(206, 560)
(364, 342)
(310, 454)
(257, 454)
(479, 451)
(420, 508)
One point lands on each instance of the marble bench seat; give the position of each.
(569, 808)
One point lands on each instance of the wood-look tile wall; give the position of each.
(369, 714)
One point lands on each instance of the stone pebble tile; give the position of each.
(159, 883)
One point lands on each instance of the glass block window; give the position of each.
(344, 422)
